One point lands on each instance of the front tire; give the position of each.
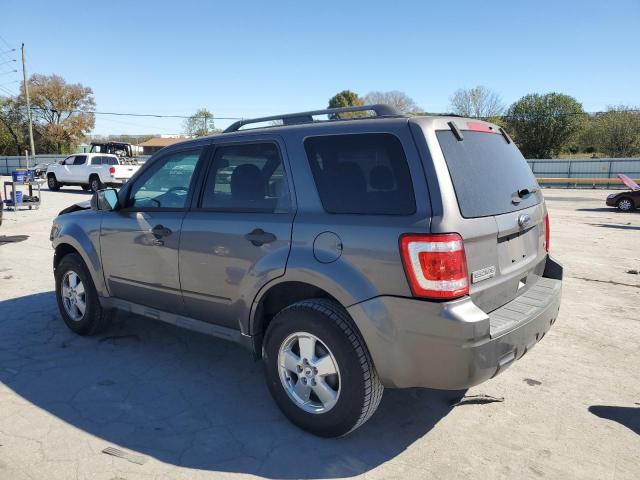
(625, 204)
(319, 370)
(52, 183)
(77, 297)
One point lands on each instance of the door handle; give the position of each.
(259, 237)
(160, 231)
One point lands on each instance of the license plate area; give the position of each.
(517, 248)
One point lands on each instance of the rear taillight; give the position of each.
(546, 232)
(435, 265)
(112, 171)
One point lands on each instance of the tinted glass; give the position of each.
(109, 161)
(361, 174)
(96, 161)
(247, 178)
(487, 172)
(80, 160)
(166, 183)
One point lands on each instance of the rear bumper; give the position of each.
(455, 345)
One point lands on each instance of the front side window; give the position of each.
(361, 174)
(247, 178)
(166, 183)
(80, 160)
(69, 160)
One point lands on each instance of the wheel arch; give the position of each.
(73, 239)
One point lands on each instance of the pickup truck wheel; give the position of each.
(52, 182)
(94, 183)
(77, 297)
(318, 369)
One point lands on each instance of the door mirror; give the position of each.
(105, 200)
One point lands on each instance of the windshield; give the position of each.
(489, 175)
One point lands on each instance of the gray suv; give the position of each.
(363, 251)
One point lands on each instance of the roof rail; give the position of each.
(381, 110)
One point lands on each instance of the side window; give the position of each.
(69, 160)
(109, 161)
(166, 183)
(80, 160)
(361, 174)
(96, 160)
(247, 178)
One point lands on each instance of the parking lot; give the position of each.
(188, 406)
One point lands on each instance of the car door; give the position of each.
(237, 235)
(139, 243)
(79, 172)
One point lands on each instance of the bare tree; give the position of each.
(478, 102)
(400, 100)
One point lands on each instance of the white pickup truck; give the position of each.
(91, 171)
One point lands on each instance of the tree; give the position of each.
(12, 127)
(200, 123)
(616, 132)
(399, 100)
(477, 102)
(62, 112)
(542, 124)
(345, 98)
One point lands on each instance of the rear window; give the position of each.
(361, 174)
(487, 172)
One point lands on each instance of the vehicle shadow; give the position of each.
(627, 416)
(619, 227)
(187, 399)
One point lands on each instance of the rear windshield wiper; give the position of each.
(523, 192)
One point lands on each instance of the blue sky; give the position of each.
(251, 58)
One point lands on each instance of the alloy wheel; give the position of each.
(309, 372)
(74, 297)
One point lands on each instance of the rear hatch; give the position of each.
(501, 211)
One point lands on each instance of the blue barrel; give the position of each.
(18, 176)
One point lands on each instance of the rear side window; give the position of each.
(96, 161)
(247, 178)
(487, 172)
(361, 174)
(109, 161)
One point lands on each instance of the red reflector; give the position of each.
(435, 265)
(112, 170)
(547, 233)
(480, 127)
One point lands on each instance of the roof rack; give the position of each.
(381, 110)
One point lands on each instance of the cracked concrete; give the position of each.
(198, 407)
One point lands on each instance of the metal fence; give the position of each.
(9, 164)
(542, 168)
(603, 168)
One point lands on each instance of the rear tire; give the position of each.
(94, 183)
(347, 397)
(625, 204)
(77, 297)
(52, 183)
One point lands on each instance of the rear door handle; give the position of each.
(259, 237)
(160, 231)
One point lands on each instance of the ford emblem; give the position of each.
(524, 220)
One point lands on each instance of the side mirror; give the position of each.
(105, 200)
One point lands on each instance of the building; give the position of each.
(152, 145)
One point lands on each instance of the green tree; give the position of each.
(12, 127)
(345, 98)
(62, 112)
(616, 132)
(543, 124)
(200, 123)
(477, 102)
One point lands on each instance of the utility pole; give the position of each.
(26, 94)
